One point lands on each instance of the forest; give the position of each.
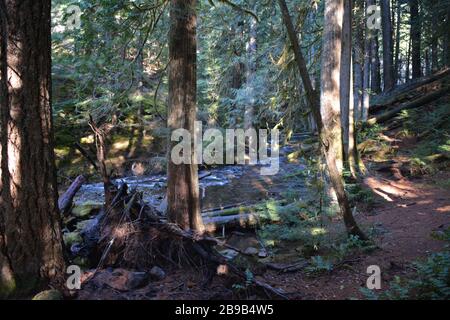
(224, 150)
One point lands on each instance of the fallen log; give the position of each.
(406, 91)
(237, 209)
(65, 200)
(221, 208)
(409, 105)
(240, 220)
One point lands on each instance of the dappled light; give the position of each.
(224, 150)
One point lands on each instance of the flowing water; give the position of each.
(221, 186)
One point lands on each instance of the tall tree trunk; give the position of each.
(31, 246)
(315, 105)
(354, 101)
(330, 109)
(408, 61)
(447, 39)
(358, 61)
(311, 94)
(397, 43)
(249, 112)
(367, 67)
(434, 37)
(345, 76)
(388, 71)
(182, 185)
(375, 77)
(352, 132)
(138, 145)
(375, 84)
(427, 62)
(415, 39)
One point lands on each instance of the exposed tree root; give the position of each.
(134, 235)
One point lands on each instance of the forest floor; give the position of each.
(408, 210)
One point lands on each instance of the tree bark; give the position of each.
(333, 11)
(311, 94)
(375, 81)
(182, 185)
(30, 233)
(388, 71)
(408, 61)
(434, 37)
(330, 109)
(397, 43)
(447, 39)
(415, 39)
(65, 200)
(367, 67)
(249, 112)
(345, 76)
(358, 62)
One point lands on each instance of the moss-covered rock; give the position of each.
(84, 210)
(48, 295)
(72, 237)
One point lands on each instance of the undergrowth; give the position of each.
(430, 281)
(432, 130)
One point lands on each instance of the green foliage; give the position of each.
(430, 281)
(335, 253)
(360, 195)
(432, 152)
(319, 265)
(370, 133)
(296, 221)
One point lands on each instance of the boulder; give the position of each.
(157, 273)
(84, 210)
(48, 295)
(251, 251)
(121, 279)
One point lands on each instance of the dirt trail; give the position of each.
(408, 212)
(416, 210)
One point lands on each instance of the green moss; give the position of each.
(85, 209)
(7, 287)
(72, 237)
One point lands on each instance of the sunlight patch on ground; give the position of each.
(444, 209)
(388, 190)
